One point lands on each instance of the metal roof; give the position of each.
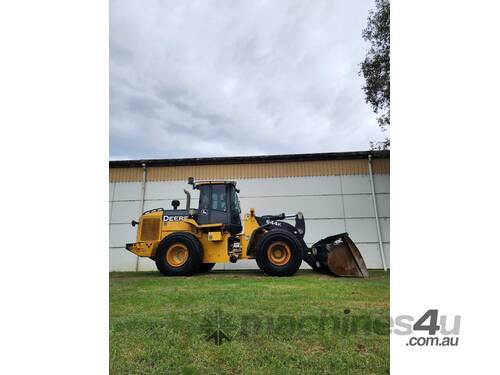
(352, 155)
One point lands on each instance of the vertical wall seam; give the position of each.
(112, 204)
(343, 203)
(144, 181)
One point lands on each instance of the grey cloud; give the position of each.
(215, 78)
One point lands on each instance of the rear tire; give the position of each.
(179, 254)
(279, 253)
(206, 267)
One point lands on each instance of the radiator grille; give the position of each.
(150, 229)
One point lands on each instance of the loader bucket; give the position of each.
(341, 256)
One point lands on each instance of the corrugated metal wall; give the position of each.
(260, 170)
(333, 203)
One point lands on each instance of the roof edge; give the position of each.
(250, 159)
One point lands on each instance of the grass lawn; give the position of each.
(305, 324)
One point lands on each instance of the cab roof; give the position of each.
(211, 182)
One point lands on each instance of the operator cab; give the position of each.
(219, 204)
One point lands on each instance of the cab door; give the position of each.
(213, 206)
(234, 211)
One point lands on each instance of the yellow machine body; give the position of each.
(214, 240)
(186, 241)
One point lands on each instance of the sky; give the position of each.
(226, 78)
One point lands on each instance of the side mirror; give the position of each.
(175, 204)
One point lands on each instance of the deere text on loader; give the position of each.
(186, 241)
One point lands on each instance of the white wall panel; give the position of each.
(387, 253)
(316, 197)
(243, 264)
(371, 255)
(121, 260)
(111, 188)
(356, 184)
(362, 230)
(146, 264)
(125, 212)
(385, 229)
(319, 229)
(128, 191)
(165, 204)
(168, 190)
(383, 205)
(312, 207)
(382, 183)
(359, 205)
(289, 186)
(120, 234)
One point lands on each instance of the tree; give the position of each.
(376, 67)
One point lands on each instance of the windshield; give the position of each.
(218, 201)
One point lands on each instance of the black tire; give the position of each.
(184, 265)
(206, 267)
(282, 240)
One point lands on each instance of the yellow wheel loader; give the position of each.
(187, 241)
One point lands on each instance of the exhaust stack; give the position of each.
(188, 199)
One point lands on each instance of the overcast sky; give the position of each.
(219, 78)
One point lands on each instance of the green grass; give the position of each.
(297, 325)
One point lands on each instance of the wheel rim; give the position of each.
(177, 254)
(279, 253)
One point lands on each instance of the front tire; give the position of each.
(179, 254)
(279, 253)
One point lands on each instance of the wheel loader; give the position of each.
(187, 241)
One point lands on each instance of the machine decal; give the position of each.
(174, 218)
(273, 222)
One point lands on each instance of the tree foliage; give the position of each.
(376, 68)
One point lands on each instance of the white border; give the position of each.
(444, 179)
(54, 119)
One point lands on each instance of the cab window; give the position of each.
(218, 195)
(205, 197)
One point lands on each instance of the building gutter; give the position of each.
(381, 248)
(143, 196)
(352, 155)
